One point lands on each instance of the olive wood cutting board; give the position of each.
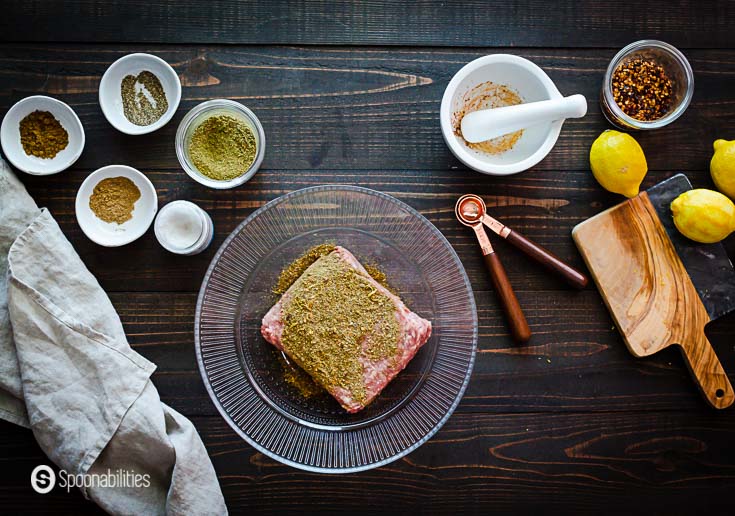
(661, 288)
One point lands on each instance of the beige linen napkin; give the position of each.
(67, 372)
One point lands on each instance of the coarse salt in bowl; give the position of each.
(182, 227)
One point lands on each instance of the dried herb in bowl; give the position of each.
(144, 99)
(222, 147)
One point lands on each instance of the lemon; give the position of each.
(704, 215)
(618, 163)
(722, 167)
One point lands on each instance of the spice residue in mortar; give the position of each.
(488, 95)
(113, 199)
(222, 147)
(143, 98)
(41, 135)
(642, 89)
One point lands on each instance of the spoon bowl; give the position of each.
(470, 209)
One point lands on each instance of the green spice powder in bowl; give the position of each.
(220, 143)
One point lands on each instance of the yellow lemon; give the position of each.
(722, 167)
(704, 215)
(618, 163)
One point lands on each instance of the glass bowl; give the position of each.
(244, 374)
(196, 116)
(675, 64)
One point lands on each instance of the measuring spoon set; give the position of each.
(472, 212)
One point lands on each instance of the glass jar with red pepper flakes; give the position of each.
(648, 85)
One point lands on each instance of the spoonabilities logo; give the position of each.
(43, 479)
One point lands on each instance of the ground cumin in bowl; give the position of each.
(115, 205)
(220, 144)
(41, 135)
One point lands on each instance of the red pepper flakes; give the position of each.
(642, 89)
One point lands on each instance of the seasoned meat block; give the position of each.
(373, 353)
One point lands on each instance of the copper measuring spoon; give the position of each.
(468, 213)
(474, 204)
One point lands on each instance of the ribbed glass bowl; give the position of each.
(243, 373)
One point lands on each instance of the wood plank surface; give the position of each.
(657, 462)
(543, 205)
(375, 22)
(575, 360)
(349, 93)
(355, 108)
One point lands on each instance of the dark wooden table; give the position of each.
(349, 93)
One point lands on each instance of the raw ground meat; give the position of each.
(414, 332)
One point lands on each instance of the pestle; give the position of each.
(486, 124)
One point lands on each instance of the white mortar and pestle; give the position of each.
(540, 116)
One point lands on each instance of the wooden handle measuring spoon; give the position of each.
(531, 249)
(517, 323)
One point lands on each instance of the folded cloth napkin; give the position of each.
(68, 373)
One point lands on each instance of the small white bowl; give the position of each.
(531, 83)
(199, 114)
(111, 97)
(110, 234)
(10, 136)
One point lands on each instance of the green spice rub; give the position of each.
(333, 316)
(222, 147)
(379, 276)
(298, 378)
(291, 273)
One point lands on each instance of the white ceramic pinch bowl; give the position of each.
(110, 234)
(531, 83)
(10, 136)
(110, 94)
